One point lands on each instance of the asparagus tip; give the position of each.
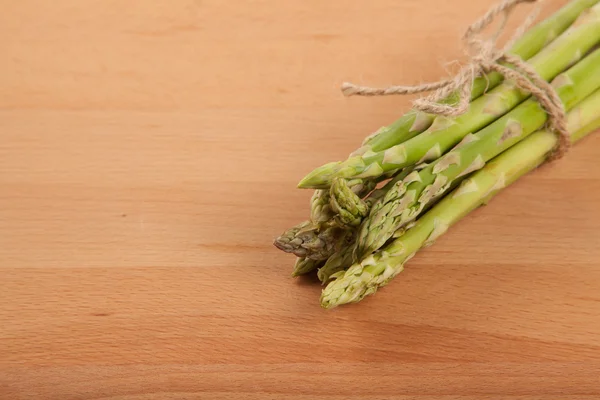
(319, 178)
(281, 244)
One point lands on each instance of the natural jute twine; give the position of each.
(484, 58)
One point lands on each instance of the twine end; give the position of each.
(348, 89)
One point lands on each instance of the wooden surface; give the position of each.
(149, 154)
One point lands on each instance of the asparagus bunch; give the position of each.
(315, 235)
(359, 236)
(377, 270)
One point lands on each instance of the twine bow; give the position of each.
(484, 58)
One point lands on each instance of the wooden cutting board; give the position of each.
(149, 153)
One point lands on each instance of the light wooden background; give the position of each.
(149, 152)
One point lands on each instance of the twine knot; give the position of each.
(484, 57)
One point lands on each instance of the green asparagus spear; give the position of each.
(308, 241)
(321, 203)
(591, 127)
(335, 264)
(320, 210)
(349, 208)
(305, 265)
(343, 240)
(446, 132)
(413, 123)
(378, 269)
(406, 200)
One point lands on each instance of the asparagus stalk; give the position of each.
(344, 240)
(305, 265)
(323, 201)
(320, 210)
(305, 240)
(335, 264)
(446, 132)
(378, 269)
(406, 200)
(349, 208)
(591, 127)
(413, 123)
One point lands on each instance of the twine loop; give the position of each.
(484, 57)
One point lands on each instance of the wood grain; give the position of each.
(149, 155)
